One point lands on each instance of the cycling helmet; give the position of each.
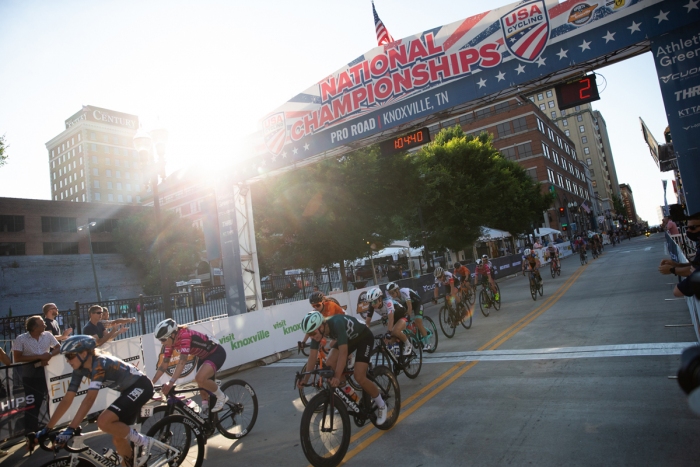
(438, 271)
(478, 262)
(374, 294)
(484, 256)
(316, 297)
(457, 265)
(78, 343)
(312, 321)
(165, 328)
(391, 286)
(527, 251)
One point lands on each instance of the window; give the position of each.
(82, 185)
(519, 124)
(93, 136)
(550, 104)
(532, 98)
(550, 175)
(568, 184)
(104, 225)
(12, 249)
(540, 125)
(126, 164)
(83, 197)
(567, 132)
(571, 167)
(586, 150)
(109, 185)
(554, 114)
(118, 174)
(119, 186)
(103, 248)
(136, 187)
(60, 248)
(108, 173)
(502, 107)
(555, 157)
(592, 172)
(120, 198)
(106, 149)
(58, 224)
(582, 129)
(579, 118)
(540, 96)
(563, 113)
(577, 108)
(483, 112)
(549, 93)
(108, 161)
(550, 133)
(127, 175)
(542, 107)
(96, 184)
(589, 161)
(584, 139)
(110, 197)
(524, 150)
(560, 180)
(128, 198)
(559, 143)
(9, 223)
(96, 196)
(503, 129)
(578, 174)
(575, 189)
(532, 173)
(116, 162)
(509, 153)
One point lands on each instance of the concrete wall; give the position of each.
(62, 279)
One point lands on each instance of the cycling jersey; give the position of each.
(106, 371)
(389, 306)
(331, 307)
(483, 270)
(446, 279)
(190, 342)
(553, 251)
(531, 261)
(346, 330)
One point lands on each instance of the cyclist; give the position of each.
(103, 370)
(189, 342)
(327, 306)
(580, 244)
(532, 263)
(445, 278)
(552, 252)
(395, 314)
(462, 275)
(483, 269)
(350, 335)
(413, 304)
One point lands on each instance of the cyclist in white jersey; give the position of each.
(395, 314)
(412, 301)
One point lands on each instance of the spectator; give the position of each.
(537, 245)
(689, 286)
(669, 226)
(97, 329)
(692, 231)
(316, 288)
(50, 311)
(35, 345)
(559, 239)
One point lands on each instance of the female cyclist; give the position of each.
(103, 370)
(188, 342)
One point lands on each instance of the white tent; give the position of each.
(546, 231)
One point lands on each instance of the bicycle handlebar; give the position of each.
(51, 437)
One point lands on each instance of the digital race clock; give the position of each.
(577, 92)
(404, 143)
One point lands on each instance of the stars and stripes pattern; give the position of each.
(383, 36)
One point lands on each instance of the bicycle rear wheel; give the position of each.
(239, 414)
(323, 446)
(466, 322)
(446, 322)
(553, 270)
(541, 289)
(413, 363)
(181, 433)
(484, 303)
(533, 288)
(391, 393)
(496, 303)
(432, 337)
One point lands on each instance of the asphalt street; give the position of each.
(578, 377)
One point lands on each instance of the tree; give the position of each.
(138, 240)
(467, 184)
(3, 149)
(619, 206)
(332, 211)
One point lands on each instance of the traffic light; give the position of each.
(561, 211)
(564, 228)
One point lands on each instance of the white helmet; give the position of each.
(374, 294)
(311, 322)
(527, 251)
(438, 271)
(391, 286)
(165, 328)
(478, 262)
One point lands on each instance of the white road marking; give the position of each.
(621, 350)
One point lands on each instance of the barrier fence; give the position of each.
(677, 247)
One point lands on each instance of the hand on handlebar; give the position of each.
(64, 436)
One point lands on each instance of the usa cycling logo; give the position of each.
(526, 30)
(274, 132)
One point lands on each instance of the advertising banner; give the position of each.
(16, 403)
(677, 59)
(492, 54)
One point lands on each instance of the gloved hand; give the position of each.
(42, 432)
(387, 335)
(65, 436)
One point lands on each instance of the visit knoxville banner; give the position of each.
(58, 375)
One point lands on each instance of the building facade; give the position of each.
(94, 160)
(628, 201)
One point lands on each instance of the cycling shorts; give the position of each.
(362, 346)
(215, 359)
(128, 405)
(417, 310)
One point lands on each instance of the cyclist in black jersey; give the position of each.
(350, 336)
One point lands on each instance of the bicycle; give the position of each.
(234, 421)
(594, 252)
(487, 298)
(174, 436)
(555, 267)
(582, 255)
(431, 338)
(325, 423)
(308, 391)
(450, 317)
(468, 293)
(534, 286)
(410, 364)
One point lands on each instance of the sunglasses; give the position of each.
(164, 339)
(70, 356)
(374, 302)
(317, 305)
(96, 313)
(693, 227)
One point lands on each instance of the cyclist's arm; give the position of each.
(179, 368)
(341, 362)
(62, 408)
(161, 370)
(310, 363)
(409, 307)
(390, 322)
(84, 408)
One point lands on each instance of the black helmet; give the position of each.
(458, 265)
(316, 297)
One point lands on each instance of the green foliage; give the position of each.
(3, 149)
(138, 240)
(619, 206)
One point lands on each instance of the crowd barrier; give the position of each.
(677, 254)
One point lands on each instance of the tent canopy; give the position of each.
(492, 234)
(546, 231)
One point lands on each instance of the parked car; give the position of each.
(278, 287)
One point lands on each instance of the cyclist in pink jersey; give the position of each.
(211, 357)
(483, 270)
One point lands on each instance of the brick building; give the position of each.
(628, 201)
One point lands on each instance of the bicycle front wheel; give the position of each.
(432, 337)
(533, 289)
(467, 321)
(484, 303)
(239, 414)
(446, 322)
(325, 431)
(496, 303)
(553, 270)
(413, 363)
(181, 433)
(541, 289)
(391, 393)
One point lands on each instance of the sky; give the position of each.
(209, 70)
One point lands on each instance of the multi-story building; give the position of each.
(628, 201)
(587, 129)
(94, 160)
(523, 133)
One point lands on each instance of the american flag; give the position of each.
(383, 36)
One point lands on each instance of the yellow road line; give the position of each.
(499, 339)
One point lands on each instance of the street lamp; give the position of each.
(144, 143)
(92, 256)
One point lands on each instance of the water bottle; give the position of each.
(350, 392)
(395, 349)
(112, 456)
(193, 405)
